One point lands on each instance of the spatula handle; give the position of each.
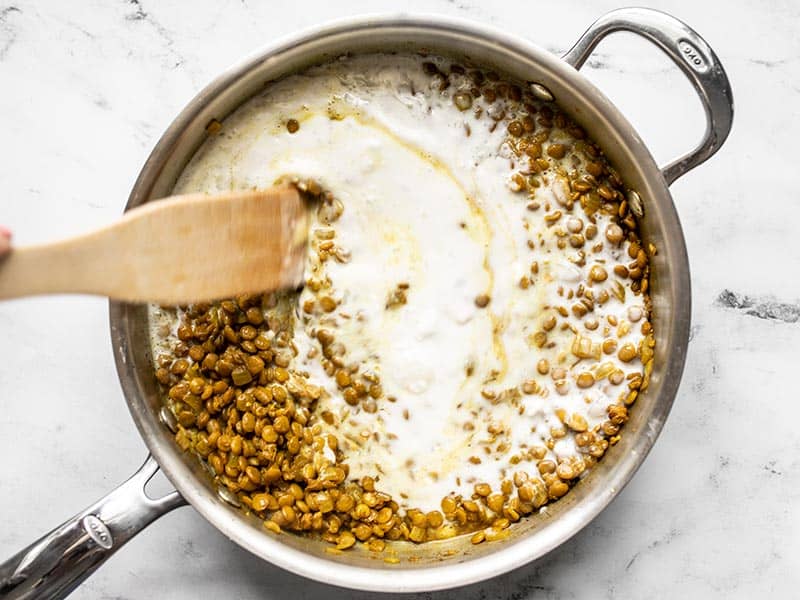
(70, 266)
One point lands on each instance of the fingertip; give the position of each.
(5, 240)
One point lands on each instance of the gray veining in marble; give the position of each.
(86, 88)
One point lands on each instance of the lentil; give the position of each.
(245, 409)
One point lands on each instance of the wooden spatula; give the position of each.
(178, 250)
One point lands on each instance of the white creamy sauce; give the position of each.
(429, 206)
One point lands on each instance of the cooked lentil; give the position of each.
(244, 405)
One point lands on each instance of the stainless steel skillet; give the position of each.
(57, 563)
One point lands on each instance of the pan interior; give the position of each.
(455, 561)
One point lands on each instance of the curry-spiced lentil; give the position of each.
(238, 380)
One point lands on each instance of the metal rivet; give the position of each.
(167, 417)
(635, 203)
(541, 92)
(229, 497)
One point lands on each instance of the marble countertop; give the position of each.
(87, 89)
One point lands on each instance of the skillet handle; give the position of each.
(57, 563)
(692, 55)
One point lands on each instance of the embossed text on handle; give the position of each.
(692, 56)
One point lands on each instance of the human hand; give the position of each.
(5, 240)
